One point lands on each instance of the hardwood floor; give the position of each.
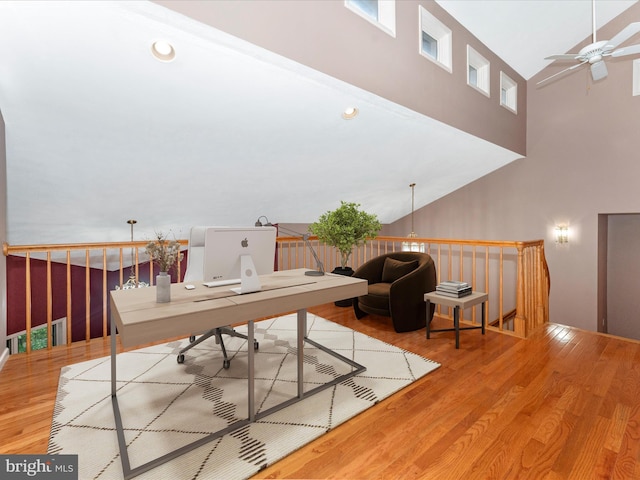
(563, 404)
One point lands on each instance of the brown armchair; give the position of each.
(397, 284)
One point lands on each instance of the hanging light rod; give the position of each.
(133, 281)
(413, 186)
(411, 245)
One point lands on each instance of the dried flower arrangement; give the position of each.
(164, 252)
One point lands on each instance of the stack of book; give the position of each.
(452, 288)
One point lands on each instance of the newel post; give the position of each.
(520, 326)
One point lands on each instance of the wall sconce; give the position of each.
(562, 234)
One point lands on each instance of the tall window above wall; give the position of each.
(477, 71)
(435, 39)
(382, 13)
(508, 93)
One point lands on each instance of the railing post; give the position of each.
(520, 325)
(542, 293)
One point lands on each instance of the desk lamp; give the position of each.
(305, 238)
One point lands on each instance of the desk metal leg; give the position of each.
(113, 357)
(428, 319)
(129, 473)
(456, 324)
(122, 444)
(302, 334)
(484, 320)
(251, 372)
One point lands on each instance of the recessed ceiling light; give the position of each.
(349, 113)
(163, 51)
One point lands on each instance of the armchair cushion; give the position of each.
(378, 297)
(395, 269)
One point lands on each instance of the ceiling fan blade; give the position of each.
(624, 34)
(630, 50)
(561, 72)
(566, 56)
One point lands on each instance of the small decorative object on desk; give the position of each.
(165, 253)
(452, 288)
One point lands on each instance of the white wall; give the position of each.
(4, 352)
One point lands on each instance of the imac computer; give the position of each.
(237, 255)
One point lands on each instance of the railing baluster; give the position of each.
(28, 301)
(87, 297)
(501, 285)
(120, 270)
(520, 327)
(49, 295)
(69, 301)
(104, 292)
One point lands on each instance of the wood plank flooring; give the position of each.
(563, 404)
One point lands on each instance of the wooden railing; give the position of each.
(92, 261)
(514, 274)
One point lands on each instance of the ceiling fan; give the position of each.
(595, 53)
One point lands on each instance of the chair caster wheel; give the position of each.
(180, 358)
(192, 338)
(256, 345)
(226, 364)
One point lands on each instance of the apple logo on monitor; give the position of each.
(244, 243)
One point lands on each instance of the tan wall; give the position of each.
(328, 37)
(581, 139)
(582, 160)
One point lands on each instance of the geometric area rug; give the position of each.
(165, 405)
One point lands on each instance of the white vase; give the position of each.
(163, 287)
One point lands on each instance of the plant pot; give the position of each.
(163, 288)
(347, 272)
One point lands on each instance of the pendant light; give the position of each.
(412, 245)
(132, 282)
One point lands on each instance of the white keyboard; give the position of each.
(222, 283)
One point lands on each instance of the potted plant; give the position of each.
(344, 228)
(165, 253)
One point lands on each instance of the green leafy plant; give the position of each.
(346, 227)
(164, 252)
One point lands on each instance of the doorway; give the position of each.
(619, 274)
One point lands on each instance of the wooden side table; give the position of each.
(457, 304)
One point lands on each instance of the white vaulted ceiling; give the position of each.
(98, 131)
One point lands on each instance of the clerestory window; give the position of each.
(508, 93)
(478, 69)
(381, 13)
(435, 39)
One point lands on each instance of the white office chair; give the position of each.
(195, 273)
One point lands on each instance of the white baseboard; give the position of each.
(4, 356)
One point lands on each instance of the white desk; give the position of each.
(139, 319)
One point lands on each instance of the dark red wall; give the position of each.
(16, 297)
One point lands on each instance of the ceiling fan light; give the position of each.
(598, 70)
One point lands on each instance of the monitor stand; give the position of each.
(249, 281)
